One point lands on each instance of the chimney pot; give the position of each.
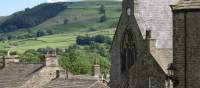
(148, 34)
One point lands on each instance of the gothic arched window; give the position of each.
(128, 51)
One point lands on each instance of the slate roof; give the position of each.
(79, 81)
(15, 74)
(187, 4)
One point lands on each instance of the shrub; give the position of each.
(103, 18)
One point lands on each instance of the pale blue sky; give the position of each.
(7, 7)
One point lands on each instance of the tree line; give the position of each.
(31, 16)
(29, 34)
(87, 40)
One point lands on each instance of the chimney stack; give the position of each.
(148, 34)
(96, 69)
(51, 59)
(151, 43)
(4, 62)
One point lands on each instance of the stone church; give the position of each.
(133, 66)
(142, 58)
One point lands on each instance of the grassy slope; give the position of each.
(87, 14)
(56, 41)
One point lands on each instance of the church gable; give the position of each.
(127, 21)
(130, 58)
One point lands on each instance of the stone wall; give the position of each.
(145, 71)
(162, 55)
(187, 48)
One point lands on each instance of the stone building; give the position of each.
(47, 74)
(133, 65)
(16, 74)
(186, 39)
(157, 16)
(137, 61)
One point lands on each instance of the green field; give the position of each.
(55, 41)
(82, 16)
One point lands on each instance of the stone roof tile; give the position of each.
(187, 4)
(15, 74)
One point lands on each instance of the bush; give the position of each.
(30, 56)
(92, 29)
(3, 52)
(102, 39)
(46, 50)
(40, 33)
(50, 32)
(102, 9)
(66, 21)
(103, 18)
(86, 40)
(14, 53)
(83, 40)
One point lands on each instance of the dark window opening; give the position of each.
(128, 51)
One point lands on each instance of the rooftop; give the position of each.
(78, 81)
(187, 4)
(15, 74)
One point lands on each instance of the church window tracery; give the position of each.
(128, 51)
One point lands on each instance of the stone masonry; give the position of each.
(132, 64)
(187, 43)
(156, 15)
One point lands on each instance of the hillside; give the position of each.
(2, 19)
(31, 17)
(79, 18)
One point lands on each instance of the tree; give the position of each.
(105, 66)
(73, 47)
(92, 29)
(102, 9)
(11, 37)
(103, 18)
(50, 32)
(30, 56)
(29, 31)
(3, 52)
(69, 62)
(3, 39)
(102, 39)
(83, 40)
(14, 53)
(42, 50)
(31, 17)
(66, 21)
(40, 33)
(27, 9)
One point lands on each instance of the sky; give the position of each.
(7, 7)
